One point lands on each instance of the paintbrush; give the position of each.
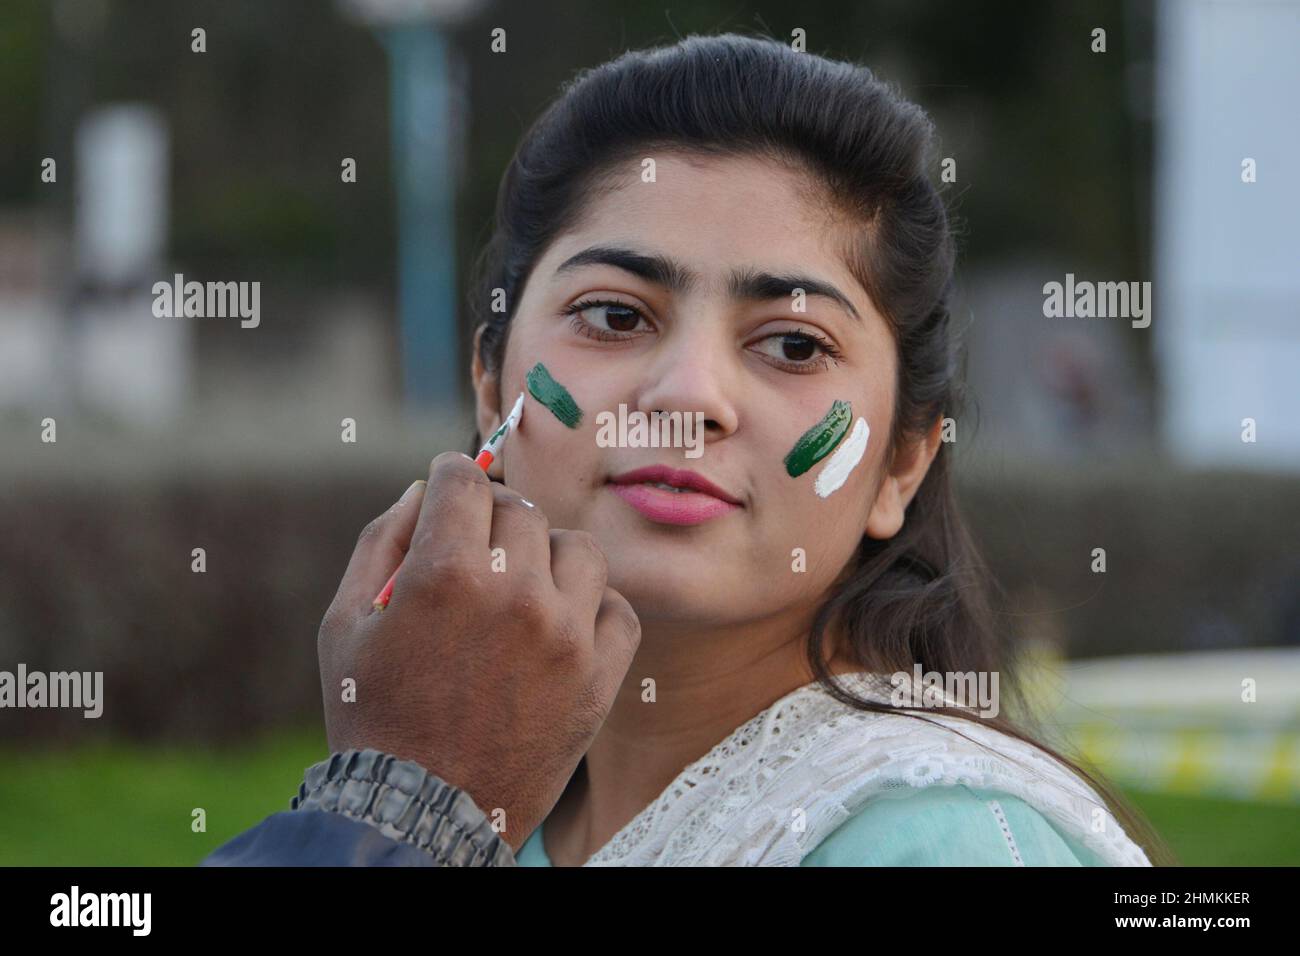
(487, 454)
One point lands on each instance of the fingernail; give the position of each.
(463, 455)
(527, 502)
(407, 493)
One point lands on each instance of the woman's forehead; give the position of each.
(721, 215)
(657, 185)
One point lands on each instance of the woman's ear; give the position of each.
(900, 484)
(487, 392)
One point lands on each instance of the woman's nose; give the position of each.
(693, 372)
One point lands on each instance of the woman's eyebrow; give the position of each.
(744, 282)
(749, 283)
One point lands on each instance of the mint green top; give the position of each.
(929, 826)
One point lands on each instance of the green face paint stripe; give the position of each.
(820, 440)
(553, 395)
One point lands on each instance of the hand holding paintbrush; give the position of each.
(494, 681)
(487, 454)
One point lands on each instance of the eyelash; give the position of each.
(582, 327)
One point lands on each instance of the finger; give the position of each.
(618, 635)
(519, 529)
(380, 549)
(579, 570)
(456, 513)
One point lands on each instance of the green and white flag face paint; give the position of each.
(823, 438)
(845, 459)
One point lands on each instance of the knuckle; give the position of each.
(592, 708)
(331, 625)
(596, 554)
(423, 545)
(452, 578)
(439, 574)
(530, 600)
(336, 626)
(622, 617)
(564, 644)
(585, 541)
(371, 530)
(504, 499)
(453, 485)
(630, 623)
(580, 538)
(452, 466)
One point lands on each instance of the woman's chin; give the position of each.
(676, 598)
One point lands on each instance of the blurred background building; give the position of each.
(1227, 264)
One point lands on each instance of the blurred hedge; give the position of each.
(1194, 560)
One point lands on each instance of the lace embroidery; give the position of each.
(781, 782)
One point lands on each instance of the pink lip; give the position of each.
(703, 502)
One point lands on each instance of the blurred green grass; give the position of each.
(127, 805)
(1216, 831)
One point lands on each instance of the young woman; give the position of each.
(734, 231)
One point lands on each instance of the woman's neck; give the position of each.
(705, 685)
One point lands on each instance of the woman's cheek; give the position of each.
(532, 473)
(824, 487)
(822, 536)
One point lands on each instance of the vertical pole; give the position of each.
(430, 346)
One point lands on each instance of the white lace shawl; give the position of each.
(780, 783)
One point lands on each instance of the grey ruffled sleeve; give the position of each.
(406, 803)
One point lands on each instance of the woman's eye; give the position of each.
(799, 351)
(604, 319)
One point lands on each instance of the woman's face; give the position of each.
(761, 373)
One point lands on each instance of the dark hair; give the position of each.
(923, 595)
